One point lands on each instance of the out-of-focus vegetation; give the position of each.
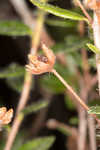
(63, 27)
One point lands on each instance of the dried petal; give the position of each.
(7, 117)
(49, 54)
(2, 112)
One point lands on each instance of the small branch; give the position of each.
(38, 30)
(24, 12)
(82, 129)
(92, 136)
(79, 100)
(84, 11)
(85, 87)
(96, 31)
(54, 124)
(27, 84)
(38, 123)
(27, 17)
(22, 102)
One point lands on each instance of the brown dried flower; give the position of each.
(5, 116)
(41, 64)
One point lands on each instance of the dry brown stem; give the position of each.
(54, 124)
(92, 136)
(22, 102)
(19, 5)
(84, 11)
(85, 86)
(79, 100)
(73, 132)
(96, 31)
(27, 17)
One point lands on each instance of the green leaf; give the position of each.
(94, 110)
(74, 42)
(93, 48)
(38, 144)
(14, 28)
(61, 23)
(13, 70)
(14, 75)
(34, 107)
(58, 11)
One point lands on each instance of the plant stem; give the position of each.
(27, 85)
(84, 11)
(92, 136)
(78, 99)
(38, 31)
(27, 17)
(21, 105)
(96, 31)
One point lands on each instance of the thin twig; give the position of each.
(25, 91)
(96, 31)
(92, 136)
(54, 124)
(27, 17)
(82, 129)
(88, 85)
(85, 86)
(24, 12)
(78, 99)
(84, 11)
(38, 31)
(22, 102)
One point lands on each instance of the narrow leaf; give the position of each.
(38, 144)
(35, 107)
(61, 23)
(58, 11)
(94, 110)
(93, 48)
(14, 28)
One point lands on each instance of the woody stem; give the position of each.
(78, 99)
